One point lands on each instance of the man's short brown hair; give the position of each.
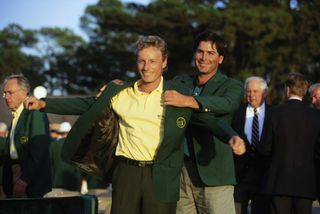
(297, 84)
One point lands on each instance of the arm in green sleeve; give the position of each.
(218, 127)
(68, 106)
(224, 103)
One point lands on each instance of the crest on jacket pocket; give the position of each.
(24, 139)
(181, 122)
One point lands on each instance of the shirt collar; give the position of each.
(260, 108)
(17, 112)
(158, 89)
(295, 98)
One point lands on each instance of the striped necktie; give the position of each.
(255, 129)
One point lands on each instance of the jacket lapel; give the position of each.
(21, 131)
(214, 83)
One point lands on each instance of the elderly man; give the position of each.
(249, 121)
(26, 164)
(314, 91)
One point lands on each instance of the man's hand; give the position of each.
(100, 91)
(32, 103)
(174, 98)
(237, 145)
(19, 188)
(115, 81)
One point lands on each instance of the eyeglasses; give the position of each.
(9, 93)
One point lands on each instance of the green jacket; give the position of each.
(221, 96)
(32, 142)
(63, 174)
(96, 124)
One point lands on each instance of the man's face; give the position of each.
(150, 64)
(315, 96)
(255, 95)
(207, 58)
(14, 95)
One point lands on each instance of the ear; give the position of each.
(164, 63)
(221, 59)
(287, 91)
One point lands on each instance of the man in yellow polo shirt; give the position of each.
(149, 150)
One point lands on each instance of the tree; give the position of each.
(58, 49)
(265, 38)
(13, 60)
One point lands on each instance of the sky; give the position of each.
(34, 14)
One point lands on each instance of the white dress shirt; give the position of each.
(16, 115)
(249, 119)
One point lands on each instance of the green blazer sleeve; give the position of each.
(227, 101)
(68, 106)
(222, 130)
(221, 95)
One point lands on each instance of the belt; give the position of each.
(135, 162)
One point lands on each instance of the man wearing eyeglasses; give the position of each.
(25, 159)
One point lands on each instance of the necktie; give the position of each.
(255, 129)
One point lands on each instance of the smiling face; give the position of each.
(207, 58)
(150, 64)
(14, 95)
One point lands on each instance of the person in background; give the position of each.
(66, 179)
(314, 91)
(292, 146)
(148, 134)
(64, 129)
(3, 130)
(26, 163)
(249, 122)
(208, 179)
(3, 136)
(54, 127)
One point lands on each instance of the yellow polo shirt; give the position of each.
(141, 120)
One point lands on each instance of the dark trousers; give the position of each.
(248, 191)
(259, 204)
(12, 172)
(132, 192)
(290, 205)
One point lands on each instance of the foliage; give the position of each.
(12, 60)
(266, 38)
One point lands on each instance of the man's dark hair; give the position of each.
(297, 84)
(211, 36)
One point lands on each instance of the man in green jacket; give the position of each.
(208, 174)
(26, 164)
(146, 145)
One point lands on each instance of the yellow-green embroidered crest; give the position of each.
(181, 122)
(24, 139)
